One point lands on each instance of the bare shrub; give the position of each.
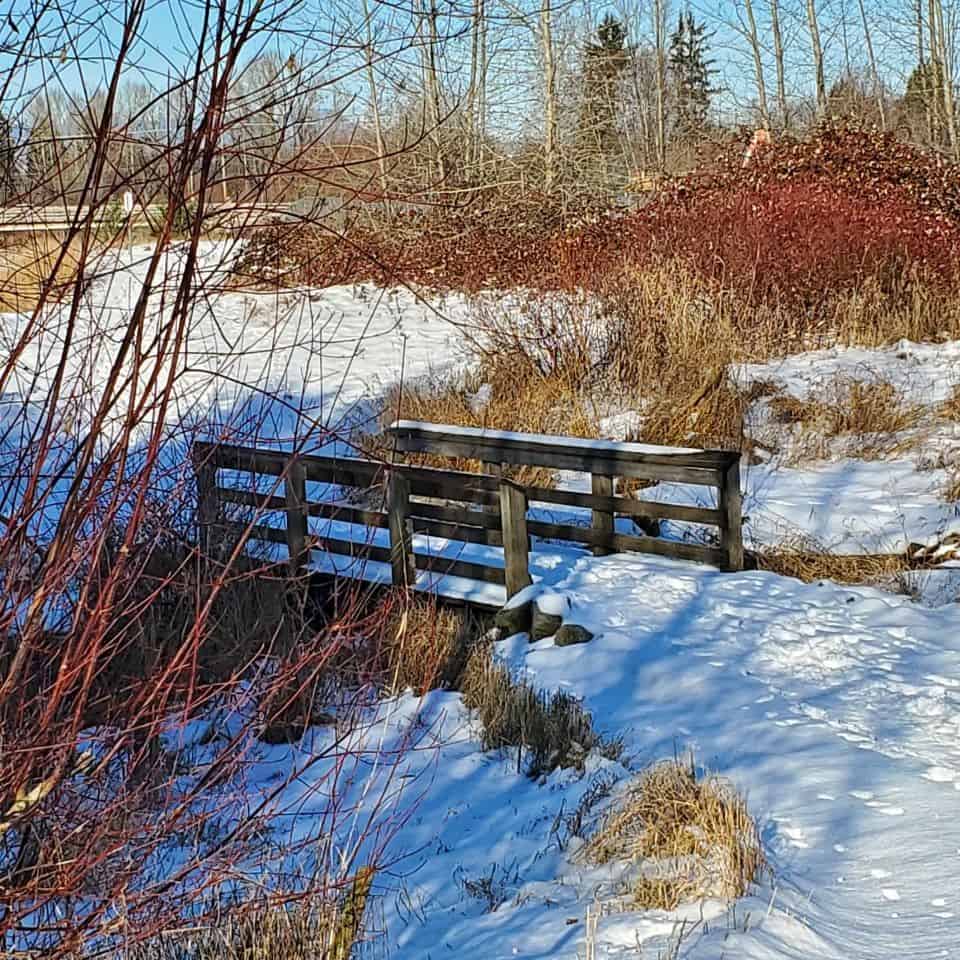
(690, 838)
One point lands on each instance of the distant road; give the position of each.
(58, 217)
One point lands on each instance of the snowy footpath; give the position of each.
(835, 709)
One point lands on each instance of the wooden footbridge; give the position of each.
(459, 534)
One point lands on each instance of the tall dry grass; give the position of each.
(869, 418)
(424, 644)
(554, 728)
(33, 263)
(660, 341)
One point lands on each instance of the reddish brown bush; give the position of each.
(803, 221)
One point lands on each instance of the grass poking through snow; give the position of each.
(553, 727)
(690, 838)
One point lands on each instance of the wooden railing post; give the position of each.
(731, 516)
(602, 520)
(295, 491)
(403, 572)
(207, 506)
(513, 520)
(493, 469)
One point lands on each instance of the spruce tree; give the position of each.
(604, 62)
(691, 69)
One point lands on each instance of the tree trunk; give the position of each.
(549, 98)
(946, 59)
(476, 93)
(375, 107)
(934, 93)
(875, 76)
(778, 56)
(434, 92)
(757, 63)
(819, 78)
(660, 31)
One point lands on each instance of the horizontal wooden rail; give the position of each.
(626, 542)
(626, 506)
(562, 453)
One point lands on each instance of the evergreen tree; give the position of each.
(924, 103)
(691, 70)
(604, 62)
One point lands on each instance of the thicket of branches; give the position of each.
(140, 678)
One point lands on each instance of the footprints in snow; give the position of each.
(881, 806)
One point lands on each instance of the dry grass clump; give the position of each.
(554, 727)
(872, 411)
(690, 839)
(951, 492)
(28, 264)
(806, 560)
(425, 645)
(313, 930)
(710, 415)
(950, 408)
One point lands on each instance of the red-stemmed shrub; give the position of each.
(801, 221)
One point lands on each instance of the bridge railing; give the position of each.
(485, 508)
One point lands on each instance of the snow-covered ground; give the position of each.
(275, 367)
(281, 364)
(836, 709)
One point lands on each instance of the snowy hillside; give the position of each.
(835, 709)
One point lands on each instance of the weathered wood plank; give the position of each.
(208, 507)
(347, 471)
(504, 447)
(353, 548)
(456, 531)
(259, 531)
(346, 513)
(295, 493)
(251, 498)
(601, 520)
(245, 459)
(627, 543)
(401, 546)
(516, 540)
(455, 513)
(451, 485)
(460, 568)
(625, 506)
(513, 441)
(584, 461)
(731, 526)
